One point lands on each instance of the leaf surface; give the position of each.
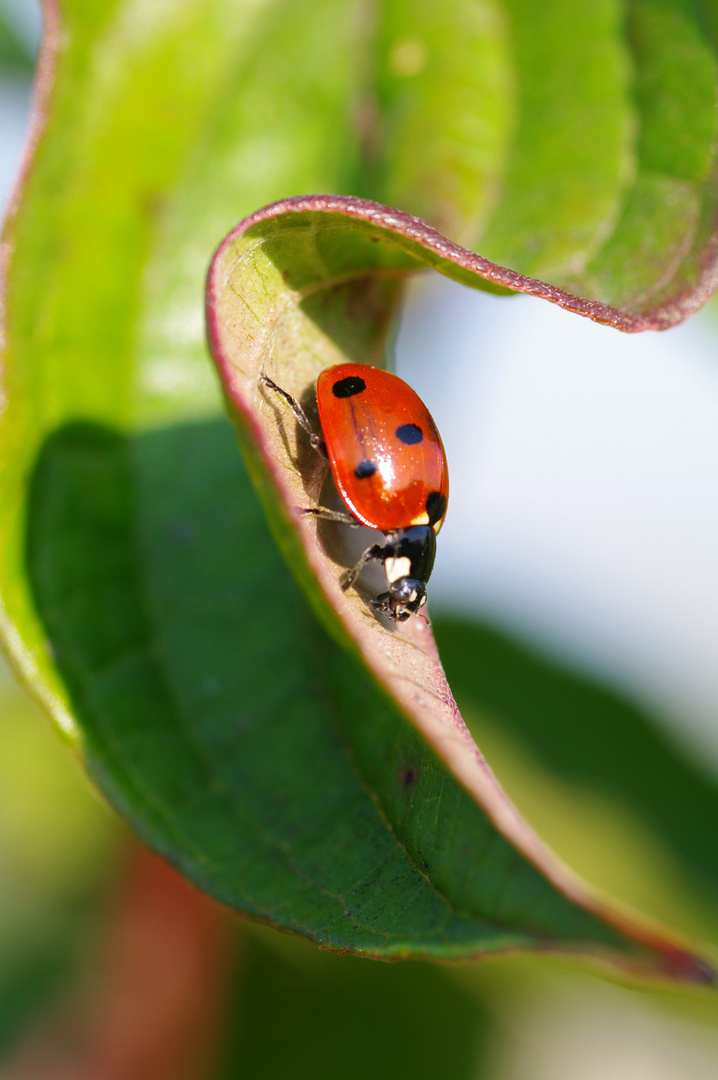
(264, 743)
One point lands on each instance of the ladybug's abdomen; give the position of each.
(386, 455)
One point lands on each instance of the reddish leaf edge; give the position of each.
(403, 661)
(412, 230)
(42, 88)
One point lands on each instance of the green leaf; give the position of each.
(588, 735)
(249, 786)
(55, 851)
(265, 751)
(16, 58)
(321, 998)
(609, 190)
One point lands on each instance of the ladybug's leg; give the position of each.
(316, 441)
(376, 551)
(383, 604)
(318, 444)
(331, 515)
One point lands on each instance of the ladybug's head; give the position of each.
(404, 598)
(408, 558)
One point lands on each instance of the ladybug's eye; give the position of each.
(401, 590)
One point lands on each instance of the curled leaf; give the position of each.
(297, 287)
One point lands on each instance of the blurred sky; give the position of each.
(584, 474)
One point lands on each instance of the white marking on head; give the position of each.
(397, 568)
(422, 519)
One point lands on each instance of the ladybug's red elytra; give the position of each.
(389, 466)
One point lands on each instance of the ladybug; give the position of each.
(389, 466)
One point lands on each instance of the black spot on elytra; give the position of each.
(410, 434)
(348, 387)
(435, 507)
(364, 469)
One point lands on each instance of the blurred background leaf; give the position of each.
(56, 849)
(17, 55)
(585, 734)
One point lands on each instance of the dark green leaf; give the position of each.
(589, 735)
(16, 58)
(348, 1020)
